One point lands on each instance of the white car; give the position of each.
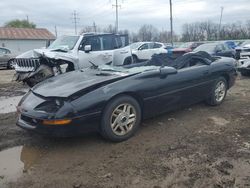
(142, 51)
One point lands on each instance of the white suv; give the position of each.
(79, 51)
(69, 53)
(142, 51)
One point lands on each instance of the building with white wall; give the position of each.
(20, 40)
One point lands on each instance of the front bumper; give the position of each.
(78, 126)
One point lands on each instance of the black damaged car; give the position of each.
(114, 100)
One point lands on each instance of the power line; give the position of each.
(116, 20)
(75, 20)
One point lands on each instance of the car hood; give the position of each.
(49, 53)
(68, 84)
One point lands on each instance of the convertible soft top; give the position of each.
(176, 62)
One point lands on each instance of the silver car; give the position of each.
(6, 58)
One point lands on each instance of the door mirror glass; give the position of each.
(165, 71)
(87, 48)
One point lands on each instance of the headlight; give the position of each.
(50, 106)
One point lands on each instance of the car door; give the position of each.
(188, 86)
(145, 51)
(101, 50)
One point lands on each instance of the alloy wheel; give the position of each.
(123, 119)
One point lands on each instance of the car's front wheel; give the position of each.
(121, 118)
(218, 93)
(10, 64)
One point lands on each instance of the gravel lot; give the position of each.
(199, 146)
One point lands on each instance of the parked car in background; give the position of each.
(6, 58)
(243, 51)
(216, 49)
(244, 68)
(186, 47)
(74, 52)
(114, 100)
(231, 44)
(142, 51)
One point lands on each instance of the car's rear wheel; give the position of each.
(218, 93)
(121, 119)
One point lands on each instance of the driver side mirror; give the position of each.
(87, 48)
(165, 71)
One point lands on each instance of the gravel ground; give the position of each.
(199, 146)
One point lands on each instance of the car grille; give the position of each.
(26, 65)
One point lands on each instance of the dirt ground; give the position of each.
(199, 146)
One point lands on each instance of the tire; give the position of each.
(218, 93)
(113, 113)
(135, 59)
(10, 64)
(128, 61)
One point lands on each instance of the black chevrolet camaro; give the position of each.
(114, 100)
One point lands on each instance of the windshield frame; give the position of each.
(54, 45)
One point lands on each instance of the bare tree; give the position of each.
(147, 33)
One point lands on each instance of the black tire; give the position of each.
(10, 64)
(212, 100)
(108, 113)
(135, 59)
(128, 61)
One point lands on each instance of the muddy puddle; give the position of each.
(15, 162)
(8, 104)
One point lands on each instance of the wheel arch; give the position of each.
(134, 95)
(227, 78)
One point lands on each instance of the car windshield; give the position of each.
(206, 47)
(135, 45)
(64, 42)
(124, 70)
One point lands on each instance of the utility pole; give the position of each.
(171, 21)
(221, 14)
(27, 18)
(55, 31)
(116, 10)
(75, 20)
(94, 27)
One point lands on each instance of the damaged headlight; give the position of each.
(50, 106)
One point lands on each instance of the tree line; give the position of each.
(196, 31)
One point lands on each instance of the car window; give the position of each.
(144, 47)
(151, 45)
(219, 47)
(118, 42)
(95, 43)
(107, 41)
(4, 51)
(157, 45)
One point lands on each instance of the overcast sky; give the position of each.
(133, 13)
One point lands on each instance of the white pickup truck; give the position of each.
(74, 52)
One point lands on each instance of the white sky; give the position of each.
(133, 13)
